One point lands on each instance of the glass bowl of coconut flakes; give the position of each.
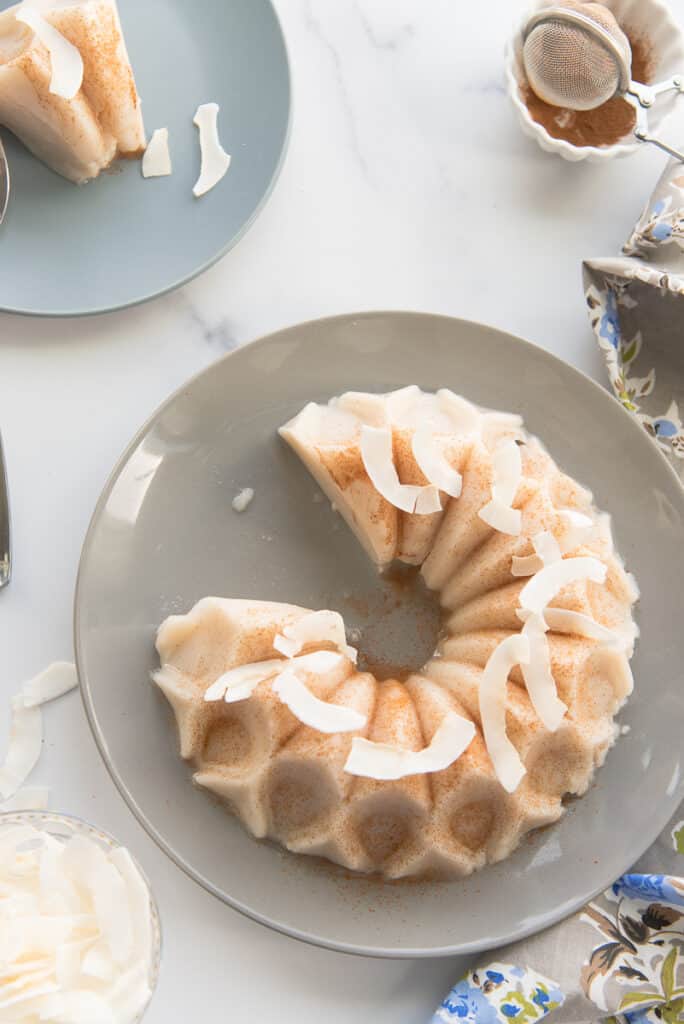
(85, 935)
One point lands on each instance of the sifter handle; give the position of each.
(643, 136)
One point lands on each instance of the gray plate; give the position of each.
(164, 535)
(68, 251)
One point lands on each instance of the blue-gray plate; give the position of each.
(67, 250)
(164, 534)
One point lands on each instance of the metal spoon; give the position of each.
(5, 541)
(4, 182)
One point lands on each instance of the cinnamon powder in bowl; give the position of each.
(605, 125)
(598, 135)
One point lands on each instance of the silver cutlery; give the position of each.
(5, 539)
(4, 182)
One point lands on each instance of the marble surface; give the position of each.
(408, 185)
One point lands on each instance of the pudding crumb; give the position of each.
(242, 499)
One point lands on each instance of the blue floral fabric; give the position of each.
(636, 302)
(500, 992)
(619, 959)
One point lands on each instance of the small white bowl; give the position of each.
(648, 18)
(63, 826)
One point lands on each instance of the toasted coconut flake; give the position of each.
(138, 901)
(562, 620)
(90, 867)
(130, 994)
(546, 546)
(386, 761)
(57, 679)
(61, 965)
(215, 160)
(506, 474)
(25, 743)
(23, 1001)
(547, 551)
(545, 585)
(378, 461)
(428, 501)
(541, 686)
(514, 650)
(68, 964)
(507, 466)
(526, 565)
(156, 161)
(578, 528)
(79, 1006)
(501, 517)
(317, 628)
(318, 714)
(433, 464)
(466, 417)
(98, 963)
(239, 683)
(65, 60)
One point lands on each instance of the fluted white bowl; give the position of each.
(650, 19)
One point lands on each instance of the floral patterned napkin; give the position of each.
(636, 305)
(621, 957)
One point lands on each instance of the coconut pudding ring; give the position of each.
(442, 770)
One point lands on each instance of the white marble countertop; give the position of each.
(408, 185)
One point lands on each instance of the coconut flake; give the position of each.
(562, 620)
(507, 470)
(428, 501)
(318, 714)
(53, 964)
(506, 474)
(31, 798)
(98, 963)
(547, 551)
(57, 679)
(79, 1006)
(378, 461)
(502, 517)
(90, 867)
(545, 585)
(514, 650)
(541, 686)
(433, 463)
(215, 160)
(138, 900)
(526, 565)
(243, 499)
(578, 528)
(25, 742)
(239, 683)
(156, 161)
(578, 520)
(385, 761)
(321, 627)
(66, 62)
(465, 417)
(546, 546)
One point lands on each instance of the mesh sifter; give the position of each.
(577, 56)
